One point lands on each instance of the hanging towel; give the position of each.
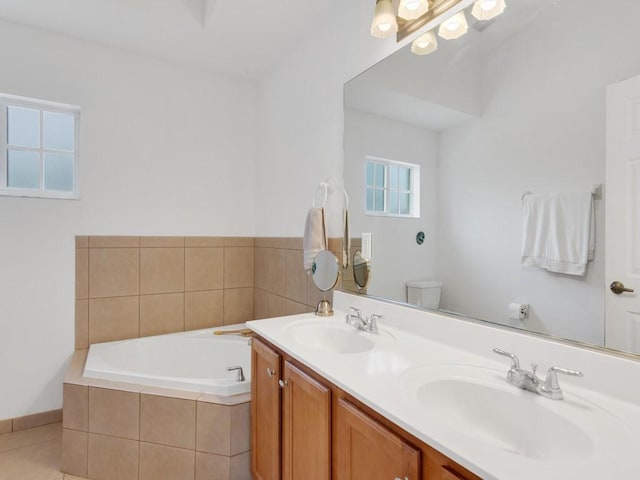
(559, 232)
(315, 236)
(346, 239)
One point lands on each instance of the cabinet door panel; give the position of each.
(306, 427)
(366, 450)
(265, 412)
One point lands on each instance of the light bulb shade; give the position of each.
(487, 9)
(384, 20)
(412, 9)
(425, 44)
(454, 27)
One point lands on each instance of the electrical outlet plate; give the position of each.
(367, 249)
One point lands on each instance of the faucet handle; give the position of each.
(355, 310)
(552, 377)
(373, 322)
(515, 362)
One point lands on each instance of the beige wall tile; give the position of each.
(203, 309)
(238, 267)
(296, 277)
(172, 393)
(82, 241)
(113, 318)
(114, 241)
(213, 428)
(240, 428)
(294, 308)
(267, 305)
(204, 241)
(74, 452)
(82, 324)
(204, 269)
(168, 421)
(162, 241)
(112, 458)
(213, 467)
(6, 426)
(114, 412)
(37, 419)
(161, 314)
(239, 241)
(161, 270)
(113, 272)
(238, 305)
(240, 466)
(75, 402)
(158, 462)
(289, 243)
(270, 270)
(82, 273)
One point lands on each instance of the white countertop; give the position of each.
(413, 344)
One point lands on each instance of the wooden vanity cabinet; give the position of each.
(304, 428)
(290, 420)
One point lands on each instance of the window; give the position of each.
(38, 148)
(392, 188)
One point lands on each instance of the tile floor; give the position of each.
(32, 454)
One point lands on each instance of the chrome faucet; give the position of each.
(528, 380)
(355, 319)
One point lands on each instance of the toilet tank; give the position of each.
(424, 293)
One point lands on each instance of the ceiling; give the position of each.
(240, 38)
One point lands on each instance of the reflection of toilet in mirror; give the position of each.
(424, 293)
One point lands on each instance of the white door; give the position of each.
(622, 329)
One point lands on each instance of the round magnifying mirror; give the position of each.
(361, 270)
(325, 270)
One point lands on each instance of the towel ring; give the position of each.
(328, 188)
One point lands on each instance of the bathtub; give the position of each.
(196, 361)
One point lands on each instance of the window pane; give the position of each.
(405, 204)
(379, 200)
(379, 175)
(58, 131)
(58, 171)
(370, 200)
(369, 173)
(23, 127)
(393, 177)
(393, 202)
(405, 179)
(23, 169)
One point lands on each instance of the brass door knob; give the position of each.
(618, 288)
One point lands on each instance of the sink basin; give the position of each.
(478, 404)
(334, 336)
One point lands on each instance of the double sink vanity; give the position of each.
(412, 394)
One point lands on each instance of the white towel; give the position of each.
(346, 239)
(315, 236)
(559, 232)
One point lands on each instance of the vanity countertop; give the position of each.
(590, 434)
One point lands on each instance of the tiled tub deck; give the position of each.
(114, 430)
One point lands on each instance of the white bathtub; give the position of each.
(196, 360)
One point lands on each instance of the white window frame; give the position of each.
(42, 106)
(414, 192)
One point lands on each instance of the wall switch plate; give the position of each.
(367, 248)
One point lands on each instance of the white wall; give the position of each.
(395, 251)
(164, 150)
(301, 118)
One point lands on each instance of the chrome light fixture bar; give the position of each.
(412, 15)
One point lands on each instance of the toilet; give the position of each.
(424, 293)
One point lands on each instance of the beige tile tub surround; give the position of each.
(127, 431)
(129, 287)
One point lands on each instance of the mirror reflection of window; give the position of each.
(392, 188)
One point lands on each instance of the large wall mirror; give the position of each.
(517, 105)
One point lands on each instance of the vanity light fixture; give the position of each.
(487, 9)
(412, 9)
(454, 27)
(425, 44)
(384, 20)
